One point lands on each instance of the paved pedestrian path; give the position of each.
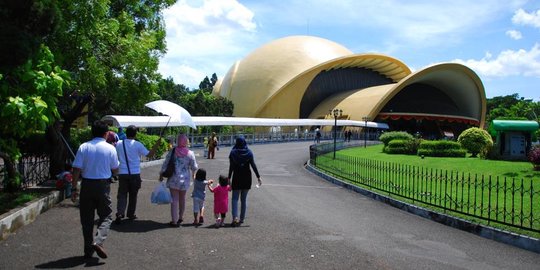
(295, 221)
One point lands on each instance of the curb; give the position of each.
(509, 238)
(26, 214)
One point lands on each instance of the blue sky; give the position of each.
(498, 39)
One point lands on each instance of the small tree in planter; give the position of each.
(534, 157)
(476, 141)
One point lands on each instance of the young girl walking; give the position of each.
(221, 199)
(199, 190)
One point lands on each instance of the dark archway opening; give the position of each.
(335, 81)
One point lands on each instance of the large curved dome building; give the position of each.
(306, 77)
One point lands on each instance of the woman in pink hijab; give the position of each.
(179, 182)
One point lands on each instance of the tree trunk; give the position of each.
(58, 155)
(12, 181)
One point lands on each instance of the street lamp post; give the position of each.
(336, 113)
(366, 119)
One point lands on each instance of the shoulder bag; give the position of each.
(169, 171)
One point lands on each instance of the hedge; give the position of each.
(441, 149)
(387, 137)
(442, 153)
(401, 147)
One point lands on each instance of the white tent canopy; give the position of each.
(161, 121)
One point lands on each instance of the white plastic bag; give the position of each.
(161, 195)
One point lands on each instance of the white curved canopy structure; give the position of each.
(161, 121)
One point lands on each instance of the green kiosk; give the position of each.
(513, 138)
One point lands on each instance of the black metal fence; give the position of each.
(34, 170)
(494, 200)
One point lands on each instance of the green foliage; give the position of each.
(24, 26)
(28, 104)
(149, 140)
(207, 85)
(79, 136)
(394, 135)
(513, 107)
(400, 146)
(112, 48)
(9, 201)
(201, 103)
(441, 149)
(168, 90)
(476, 141)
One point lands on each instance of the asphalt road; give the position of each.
(295, 221)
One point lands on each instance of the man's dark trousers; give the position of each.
(95, 198)
(128, 188)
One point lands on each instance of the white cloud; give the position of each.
(521, 17)
(514, 34)
(507, 63)
(200, 38)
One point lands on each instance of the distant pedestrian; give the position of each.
(94, 162)
(129, 152)
(198, 195)
(317, 136)
(179, 182)
(221, 200)
(240, 160)
(121, 134)
(212, 146)
(111, 138)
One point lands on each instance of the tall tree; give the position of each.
(168, 90)
(112, 50)
(30, 81)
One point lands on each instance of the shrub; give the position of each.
(394, 135)
(79, 136)
(441, 149)
(149, 140)
(398, 146)
(534, 157)
(476, 141)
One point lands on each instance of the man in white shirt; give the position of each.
(129, 153)
(95, 162)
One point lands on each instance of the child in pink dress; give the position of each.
(221, 199)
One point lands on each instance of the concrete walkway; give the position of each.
(295, 221)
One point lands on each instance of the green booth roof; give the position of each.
(515, 125)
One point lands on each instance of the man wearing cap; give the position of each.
(96, 161)
(129, 153)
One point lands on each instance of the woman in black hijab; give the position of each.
(240, 160)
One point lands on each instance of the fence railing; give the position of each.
(501, 200)
(34, 170)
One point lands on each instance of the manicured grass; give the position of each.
(497, 193)
(510, 169)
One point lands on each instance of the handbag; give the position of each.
(169, 171)
(161, 195)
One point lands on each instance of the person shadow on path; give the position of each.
(70, 262)
(138, 226)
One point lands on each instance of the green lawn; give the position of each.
(473, 165)
(498, 193)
